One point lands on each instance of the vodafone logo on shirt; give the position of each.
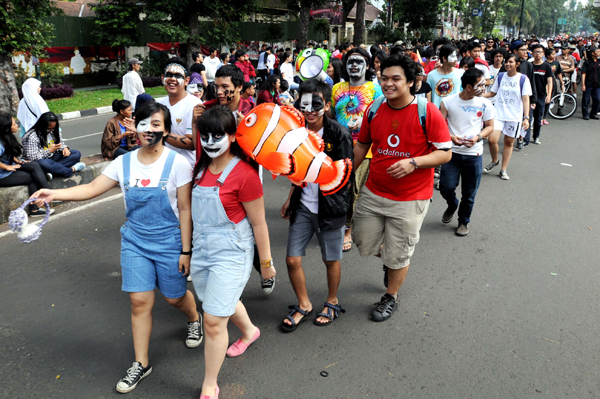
(393, 141)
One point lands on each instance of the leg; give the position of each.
(141, 323)
(538, 113)
(507, 150)
(186, 304)
(51, 166)
(298, 280)
(449, 180)
(120, 151)
(37, 174)
(595, 101)
(242, 321)
(71, 160)
(585, 102)
(215, 348)
(493, 144)
(470, 173)
(396, 278)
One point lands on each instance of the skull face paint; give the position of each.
(310, 102)
(174, 71)
(153, 137)
(453, 57)
(214, 144)
(356, 66)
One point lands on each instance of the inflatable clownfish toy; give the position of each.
(276, 138)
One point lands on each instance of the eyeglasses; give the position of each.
(538, 52)
(490, 41)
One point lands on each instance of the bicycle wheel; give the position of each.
(567, 109)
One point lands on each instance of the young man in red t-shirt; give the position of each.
(395, 199)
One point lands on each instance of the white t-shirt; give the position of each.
(271, 61)
(465, 119)
(211, 65)
(182, 115)
(288, 70)
(509, 100)
(484, 69)
(310, 193)
(149, 175)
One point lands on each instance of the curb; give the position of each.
(12, 197)
(88, 112)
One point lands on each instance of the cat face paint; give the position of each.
(152, 137)
(174, 71)
(453, 57)
(356, 66)
(310, 102)
(214, 144)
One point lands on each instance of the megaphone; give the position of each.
(311, 63)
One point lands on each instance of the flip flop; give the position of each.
(347, 242)
(295, 309)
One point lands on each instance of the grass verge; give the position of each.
(94, 99)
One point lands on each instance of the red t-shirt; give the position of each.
(242, 185)
(395, 135)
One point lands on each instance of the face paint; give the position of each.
(143, 126)
(312, 103)
(228, 98)
(480, 87)
(453, 57)
(356, 66)
(174, 71)
(214, 144)
(153, 138)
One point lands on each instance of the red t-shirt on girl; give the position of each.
(242, 185)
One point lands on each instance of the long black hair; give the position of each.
(41, 128)
(12, 147)
(337, 65)
(120, 105)
(270, 83)
(219, 120)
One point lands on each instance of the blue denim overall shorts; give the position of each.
(151, 237)
(223, 251)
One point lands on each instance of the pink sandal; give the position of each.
(238, 347)
(211, 397)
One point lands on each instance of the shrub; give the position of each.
(59, 91)
(51, 74)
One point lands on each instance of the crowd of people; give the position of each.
(404, 114)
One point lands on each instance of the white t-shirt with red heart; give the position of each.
(149, 175)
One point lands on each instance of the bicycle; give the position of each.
(562, 105)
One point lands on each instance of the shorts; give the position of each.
(574, 76)
(510, 129)
(144, 270)
(301, 231)
(395, 224)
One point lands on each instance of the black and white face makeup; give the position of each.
(174, 71)
(356, 66)
(214, 144)
(310, 102)
(145, 129)
(453, 57)
(479, 88)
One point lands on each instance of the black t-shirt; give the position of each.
(591, 69)
(425, 88)
(541, 73)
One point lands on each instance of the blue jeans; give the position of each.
(593, 92)
(59, 165)
(538, 115)
(528, 132)
(469, 168)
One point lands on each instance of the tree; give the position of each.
(419, 14)
(22, 29)
(359, 22)
(321, 26)
(116, 22)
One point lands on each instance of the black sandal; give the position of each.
(333, 312)
(292, 327)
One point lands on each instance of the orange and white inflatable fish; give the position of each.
(277, 139)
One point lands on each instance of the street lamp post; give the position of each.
(554, 29)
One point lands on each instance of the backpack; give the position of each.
(422, 109)
(521, 81)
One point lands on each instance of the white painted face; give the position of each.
(453, 57)
(480, 87)
(356, 66)
(153, 137)
(214, 144)
(174, 71)
(143, 125)
(310, 102)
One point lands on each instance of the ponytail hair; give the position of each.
(120, 105)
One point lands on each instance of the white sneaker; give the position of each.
(537, 141)
(195, 333)
(49, 176)
(78, 166)
(189, 278)
(503, 175)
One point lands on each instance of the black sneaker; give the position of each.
(134, 375)
(385, 308)
(448, 215)
(39, 213)
(491, 166)
(520, 144)
(267, 285)
(385, 276)
(195, 333)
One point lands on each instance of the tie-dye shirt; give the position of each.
(350, 103)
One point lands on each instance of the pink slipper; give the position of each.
(238, 347)
(211, 397)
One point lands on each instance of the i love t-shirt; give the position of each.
(241, 185)
(395, 135)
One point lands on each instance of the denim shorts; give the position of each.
(146, 267)
(301, 231)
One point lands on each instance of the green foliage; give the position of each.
(52, 74)
(116, 22)
(419, 14)
(321, 26)
(23, 27)
(384, 34)
(272, 32)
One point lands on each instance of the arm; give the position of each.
(428, 95)
(10, 168)
(110, 137)
(99, 185)
(256, 214)
(33, 149)
(404, 166)
(360, 151)
(286, 206)
(184, 200)
(525, 112)
(185, 142)
(549, 89)
(583, 75)
(204, 79)
(455, 139)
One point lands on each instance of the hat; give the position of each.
(133, 61)
(572, 47)
(516, 45)
(409, 46)
(557, 45)
(398, 43)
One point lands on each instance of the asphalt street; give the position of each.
(85, 134)
(511, 311)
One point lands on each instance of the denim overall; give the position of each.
(223, 251)
(151, 237)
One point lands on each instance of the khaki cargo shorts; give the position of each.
(395, 224)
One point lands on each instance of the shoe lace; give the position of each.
(268, 282)
(383, 304)
(193, 330)
(133, 372)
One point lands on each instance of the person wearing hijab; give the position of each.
(32, 106)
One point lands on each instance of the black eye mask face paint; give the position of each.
(311, 103)
(170, 75)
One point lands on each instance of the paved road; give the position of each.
(84, 134)
(511, 311)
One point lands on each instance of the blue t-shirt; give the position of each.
(6, 161)
(123, 130)
(444, 85)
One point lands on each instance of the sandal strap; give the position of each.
(296, 309)
(329, 315)
(337, 309)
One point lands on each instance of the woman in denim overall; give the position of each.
(223, 249)
(155, 241)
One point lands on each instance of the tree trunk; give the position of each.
(347, 6)
(9, 98)
(359, 22)
(194, 41)
(304, 21)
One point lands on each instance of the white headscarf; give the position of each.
(32, 106)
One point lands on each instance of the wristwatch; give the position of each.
(526, 117)
(480, 138)
(266, 263)
(414, 163)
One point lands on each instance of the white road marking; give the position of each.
(81, 137)
(70, 212)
